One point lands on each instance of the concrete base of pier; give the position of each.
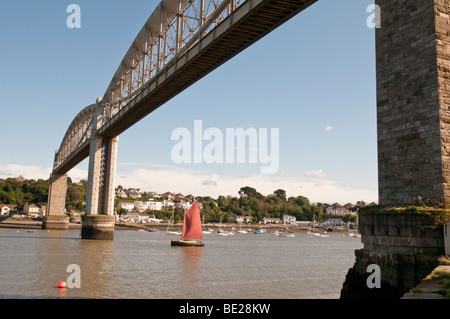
(97, 227)
(55, 222)
(405, 243)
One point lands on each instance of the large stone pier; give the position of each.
(405, 235)
(56, 217)
(98, 223)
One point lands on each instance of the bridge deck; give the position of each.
(251, 21)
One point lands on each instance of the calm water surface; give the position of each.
(144, 265)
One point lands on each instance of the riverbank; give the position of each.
(36, 224)
(435, 286)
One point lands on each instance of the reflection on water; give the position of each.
(144, 265)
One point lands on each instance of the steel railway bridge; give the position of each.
(181, 42)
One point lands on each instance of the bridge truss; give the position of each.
(182, 41)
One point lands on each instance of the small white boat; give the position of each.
(352, 234)
(242, 231)
(284, 234)
(173, 232)
(316, 234)
(290, 235)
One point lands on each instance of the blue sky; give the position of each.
(317, 71)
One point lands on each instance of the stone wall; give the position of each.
(57, 195)
(56, 210)
(403, 230)
(412, 98)
(399, 273)
(442, 14)
(405, 243)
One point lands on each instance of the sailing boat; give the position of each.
(169, 230)
(192, 228)
(205, 231)
(221, 232)
(312, 231)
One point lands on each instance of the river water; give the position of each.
(143, 265)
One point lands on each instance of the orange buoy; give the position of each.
(62, 284)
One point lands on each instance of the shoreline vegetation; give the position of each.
(20, 193)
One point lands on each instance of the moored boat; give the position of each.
(173, 232)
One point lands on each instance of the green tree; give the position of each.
(280, 193)
(248, 191)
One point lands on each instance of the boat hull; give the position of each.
(187, 243)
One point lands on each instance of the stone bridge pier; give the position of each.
(56, 217)
(404, 236)
(98, 220)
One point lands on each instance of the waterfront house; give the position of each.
(289, 220)
(167, 203)
(151, 205)
(268, 220)
(182, 204)
(7, 210)
(121, 193)
(243, 219)
(128, 206)
(134, 193)
(337, 209)
(33, 210)
(335, 222)
(140, 206)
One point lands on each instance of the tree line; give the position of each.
(19, 191)
(249, 202)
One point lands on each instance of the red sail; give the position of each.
(192, 225)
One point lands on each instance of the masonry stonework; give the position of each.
(412, 102)
(413, 119)
(55, 217)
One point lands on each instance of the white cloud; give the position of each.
(175, 179)
(316, 174)
(36, 172)
(162, 178)
(328, 128)
(26, 171)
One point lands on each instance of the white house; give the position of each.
(167, 203)
(121, 193)
(33, 210)
(5, 210)
(267, 220)
(289, 220)
(134, 193)
(140, 206)
(333, 222)
(154, 205)
(182, 204)
(243, 219)
(128, 206)
(337, 209)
